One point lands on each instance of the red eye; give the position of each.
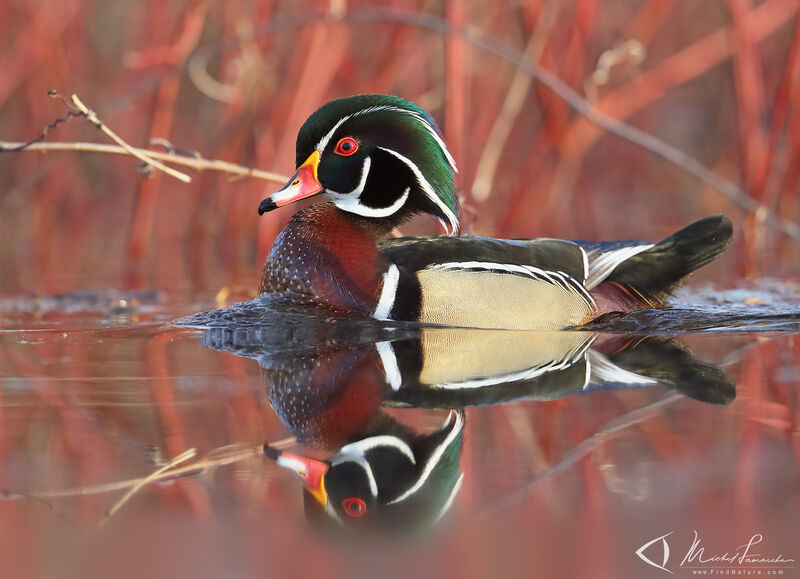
(354, 506)
(346, 146)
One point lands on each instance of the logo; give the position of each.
(746, 556)
(664, 547)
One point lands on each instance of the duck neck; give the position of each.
(329, 257)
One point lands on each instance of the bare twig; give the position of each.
(218, 457)
(16, 147)
(181, 458)
(193, 162)
(92, 117)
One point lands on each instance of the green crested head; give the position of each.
(377, 156)
(394, 483)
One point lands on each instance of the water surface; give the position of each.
(577, 448)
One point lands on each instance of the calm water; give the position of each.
(133, 447)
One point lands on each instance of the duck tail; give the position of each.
(652, 275)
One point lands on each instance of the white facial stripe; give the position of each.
(354, 205)
(362, 182)
(422, 120)
(445, 226)
(361, 447)
(388, 292)
(351, 201)
(449, 502)
(435, 457)
(331, 511)
(323, 142)
(390, 367)
(360, 461)
(427, 189)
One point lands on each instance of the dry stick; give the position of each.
(183, 457)
(151, 158)
(8, 147)
(196, 162)
(91, 116)
(228, 455)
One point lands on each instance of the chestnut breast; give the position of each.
(326, 257)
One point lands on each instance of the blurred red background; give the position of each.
(717, 80)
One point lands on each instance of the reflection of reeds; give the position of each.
(73, 441)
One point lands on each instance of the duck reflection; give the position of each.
(331, 390)
(390, 478)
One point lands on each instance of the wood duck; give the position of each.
(390, 479)
(331, 385)
(380, 160)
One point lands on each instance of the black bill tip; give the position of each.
(266, 205)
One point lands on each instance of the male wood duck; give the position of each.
(391, 479)
(380, 160)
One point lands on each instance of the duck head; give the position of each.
(376, 156)
(391, 482)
